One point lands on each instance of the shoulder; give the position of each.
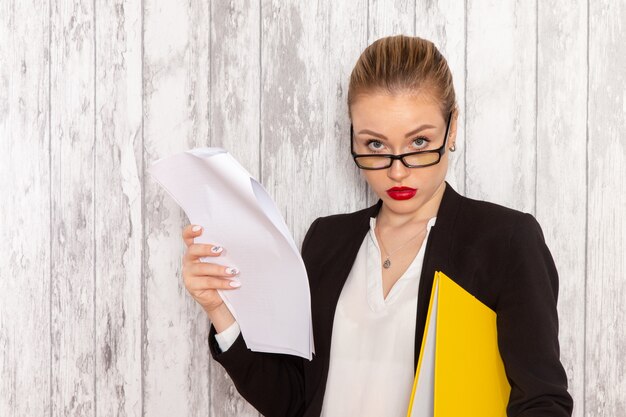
(341, 225)
(331, 235)
(489, 213)
(495, 234)
(498, 248)
(487, 221)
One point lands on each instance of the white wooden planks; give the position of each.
(93, 312)
(25, 230)
(605, 290)
(501, 102)
(73, 203)
(329, 153)
(175, 99)
(560, 163)
(118, 230)
(390, 17)
(293, 118)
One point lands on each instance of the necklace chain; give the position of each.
(387, 263)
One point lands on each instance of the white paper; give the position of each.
(273, 304)
(424, 400)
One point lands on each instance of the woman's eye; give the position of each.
(376, 145)
(374, 142)
(423, 142)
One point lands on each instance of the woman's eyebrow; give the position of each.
(412, 132)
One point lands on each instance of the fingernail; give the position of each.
(216, 249)
(235, 284)
(196, 228)
(232, 270)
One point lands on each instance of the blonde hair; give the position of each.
(403, 64)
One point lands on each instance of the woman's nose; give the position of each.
(397, 171)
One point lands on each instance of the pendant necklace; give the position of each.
(387, 263)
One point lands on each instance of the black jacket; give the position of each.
(496, 253)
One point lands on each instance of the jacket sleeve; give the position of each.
(273, 383)
(527, 325)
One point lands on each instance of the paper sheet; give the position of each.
(273, 305)
(424, 400)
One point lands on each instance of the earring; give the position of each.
(453, 148)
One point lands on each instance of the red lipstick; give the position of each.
(401, 193)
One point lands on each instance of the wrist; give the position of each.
(221, 318)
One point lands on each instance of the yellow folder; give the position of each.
(462, 373)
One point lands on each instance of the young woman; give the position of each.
(371, 271)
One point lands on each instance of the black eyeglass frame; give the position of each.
(391, 157)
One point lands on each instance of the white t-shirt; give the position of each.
(371, 369)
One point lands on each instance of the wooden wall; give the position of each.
(94, 318)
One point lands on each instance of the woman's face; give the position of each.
(397, 124)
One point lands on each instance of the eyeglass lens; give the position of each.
(383, 162)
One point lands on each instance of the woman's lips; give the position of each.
(401, 193)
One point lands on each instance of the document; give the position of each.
(459, 370)
(273, 304)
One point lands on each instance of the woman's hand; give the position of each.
(202, 279)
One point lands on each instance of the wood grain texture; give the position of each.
(25, 367)
(94, 317)
(118, 209)
(390, 17)
(605, 290)
(560, 178)
(72, 143)
(235, 70)
(501, 103)
(175, 100)
(293, 119)
(329, 152)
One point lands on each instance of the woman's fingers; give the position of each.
(202, 283)
(202, 279)
(197, 250)
(190, 231)
(206, 268)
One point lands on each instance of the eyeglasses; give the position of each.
(419, 159)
